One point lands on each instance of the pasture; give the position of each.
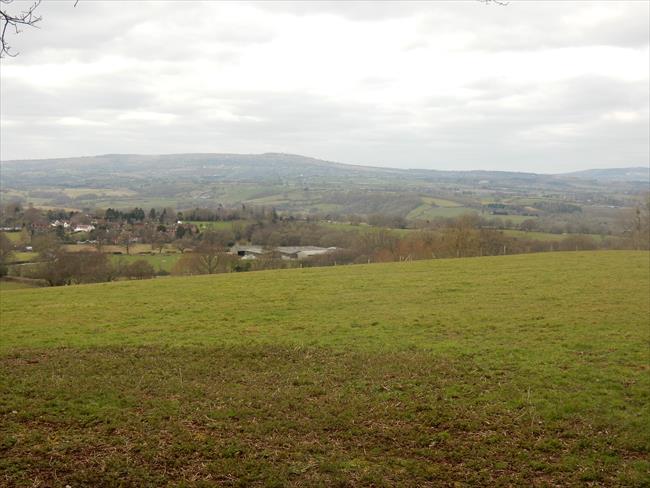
(512, 370)
(12, 285)
(547, 236)
(218, 225)
(426, 211)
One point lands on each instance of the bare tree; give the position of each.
(638, 226)
(206, 259)
(139, 270)
(125, 238)
(68, 268)
(6, 252)
(183, 244)
(15, 22)
(46, 245)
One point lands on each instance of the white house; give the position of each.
(84, 228)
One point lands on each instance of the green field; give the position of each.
(547, 236)
(13, 236)
(24, 256)
(441, 202)
(99, 192)
(13, 285)
(218, 225)
(516, 370)
(425, 211)
(515, 219)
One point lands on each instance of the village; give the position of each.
(112, 229)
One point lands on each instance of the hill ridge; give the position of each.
(635, 172)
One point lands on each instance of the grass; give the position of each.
(426, 211)
(547, 236)
(515, 219)
(13, 285)
(219, 225)
(24, 256)
(441, 202)
(100, 192)
(515, 370)
(13, 236)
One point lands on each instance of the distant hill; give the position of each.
(613, 174)
(296, 184)
(273, 167)
(204, 167)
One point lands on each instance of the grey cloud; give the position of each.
(553, 126)
(516, 26)
(538, 25)
(353, 10)
(459, 135)
(93, 29)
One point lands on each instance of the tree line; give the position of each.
(205, 251)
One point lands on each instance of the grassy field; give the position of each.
(219, 225)
(12, 285)
(515, 370)
(13, 236)
(547, 236)
(441, 202)
(426, 211)
(99, 192)
(24, 256)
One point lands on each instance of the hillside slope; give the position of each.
(419, 303)
(528, 369)
(111, 170)
(638, 173)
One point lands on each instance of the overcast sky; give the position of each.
(546, 87)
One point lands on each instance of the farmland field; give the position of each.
(13, 236)
(513, 370)
(441, 202)
(547, 236)
(425, 211)
(12, 285)
(218, 225)
(24, 256)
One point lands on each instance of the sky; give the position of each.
(530, 86)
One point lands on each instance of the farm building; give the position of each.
(302, 252)
(247, 252)
(83, 228)
(283, 252)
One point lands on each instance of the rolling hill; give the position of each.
(131, 168)
(528, 369)
(297, 185)
(638, 174)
